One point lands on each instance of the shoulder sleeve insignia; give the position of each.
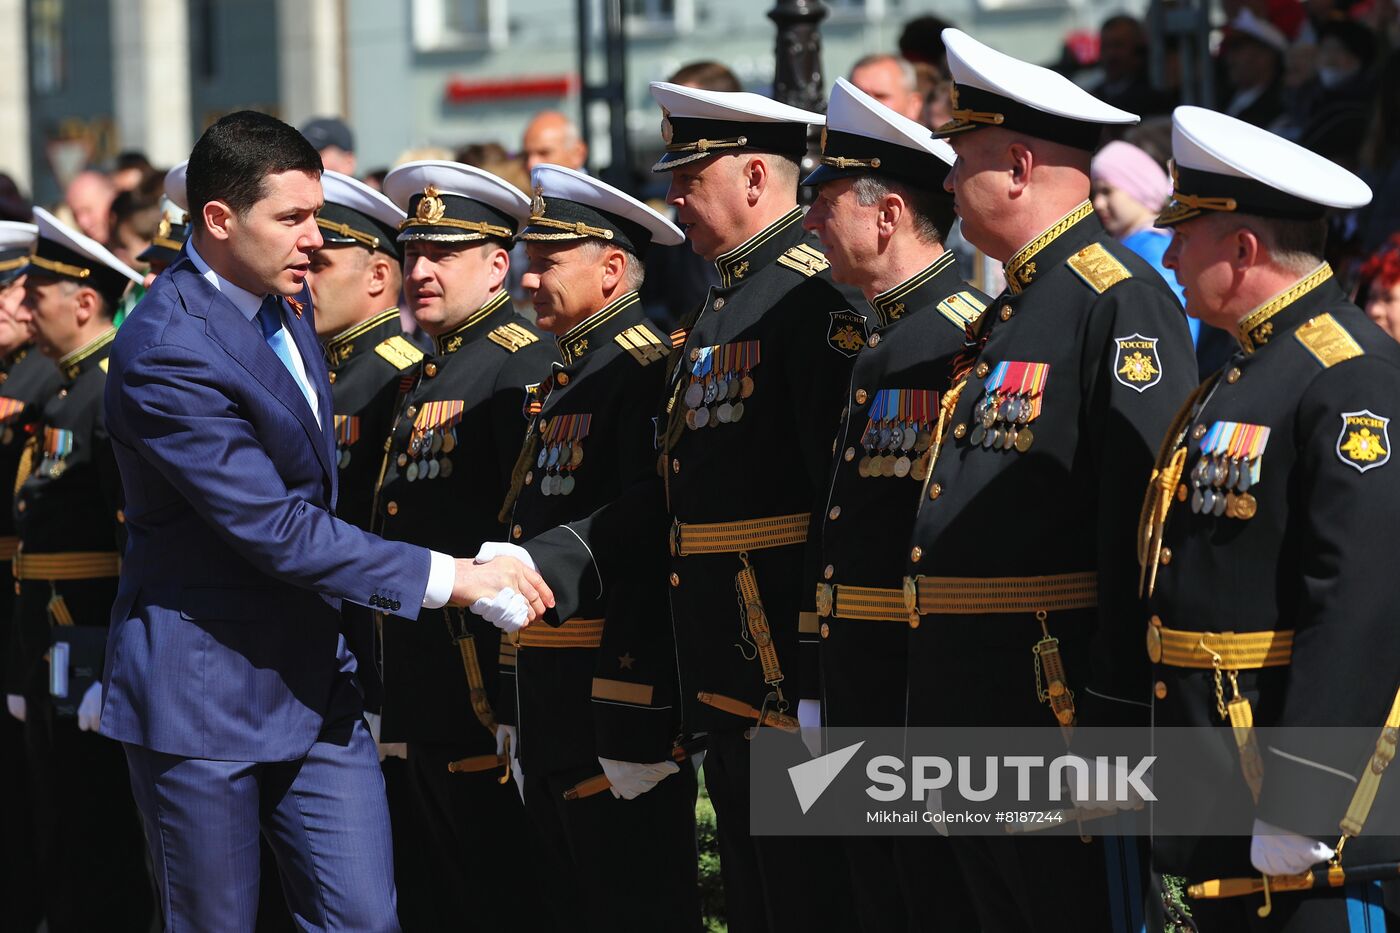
(512, 336)
(1136, 363)
(1097, 267)
(846, 332)
(399, 352)
(962, 309)
(804, 259)
(1327, 340)
(644, 345)
(1365, 440)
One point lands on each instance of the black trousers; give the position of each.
(631, 864)
(771, 883)
(908, 883)
(92, 854)
(1056, 883)
(478, 846)
(20, 905)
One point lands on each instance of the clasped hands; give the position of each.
(502, 586)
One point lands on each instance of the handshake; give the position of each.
(501, 585)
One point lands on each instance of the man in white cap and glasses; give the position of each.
(1021, 568)
(69, 522)
(1277, 608)
(450, 451)
(882, 216)
(744, 435)
(597, 709)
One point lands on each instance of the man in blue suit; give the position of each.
(227, 676)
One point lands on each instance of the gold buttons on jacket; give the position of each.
(829, 572)
(1154, 639)
(1160, 690)
(517, 531)
(835, 512)
(935, 490)
(1006, 313)
(430, 370)
(826, 630)
(1233, 376)
(562, 379)
(675, 465)
(675, 579)
(850, 454)
(1166, 557)
(1198, 432)
(392, 508)
(529, 477)
(982, 370)
(331, 377)
(874, 340)
(917, 554)
(960, 431)
(412, 411)
(719, 303)
(861, 396)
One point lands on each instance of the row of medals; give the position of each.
(342, 456)
(895, 441)
(1222, 486)
(717, 400)
(1001, 422)
(51, 467)
(424, 451)
(561, 460)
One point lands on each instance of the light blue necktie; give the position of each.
(270, 320)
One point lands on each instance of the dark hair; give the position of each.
(930, 208)
(234, 155)
(708, 76)
(132, 158)
(1299, 244)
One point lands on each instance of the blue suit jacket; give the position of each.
(226, 637)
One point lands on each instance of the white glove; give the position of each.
(16, 705)
(504, 732)
(809, 717)
(494, 549)
(1276, 851)
(90, 710)
(631, 779)
(507, 610)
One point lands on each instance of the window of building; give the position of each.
(46, 47)
(451, 25)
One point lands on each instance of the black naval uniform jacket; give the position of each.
(1305, 551)
(27, 380)
(1120, 363)
(616, 699)
(918, 328)
(70, 500)
(450, 455)
(370, 364)
(777, 320)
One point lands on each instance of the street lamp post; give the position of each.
(797, 78)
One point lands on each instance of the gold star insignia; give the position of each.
(626, 661)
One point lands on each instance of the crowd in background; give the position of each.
(1319, 72)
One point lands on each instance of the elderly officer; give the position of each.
(745, 439)
(68, 518)
(600, 687)
(882, 215)
(1020, 570)
(449, 457)
(1260, 548)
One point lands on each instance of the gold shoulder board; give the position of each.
(399, 352)
(511, 336)
(645, 346)
(1327, 340)
(804, 259)
(962, 309)
(1097, 267)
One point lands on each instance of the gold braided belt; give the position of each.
(1228, 651)
(574, 633)
(9, 544)
(72, 565)
(734, 537)
(867, 603)
(1056, 592)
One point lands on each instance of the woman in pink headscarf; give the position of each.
(1129, 189)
